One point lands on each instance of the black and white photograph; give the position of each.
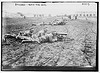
(49, 36)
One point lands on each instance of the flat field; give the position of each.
(81, 51)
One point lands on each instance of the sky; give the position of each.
(48, 8)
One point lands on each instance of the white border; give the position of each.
(47, 0)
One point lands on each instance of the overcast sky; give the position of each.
(48, 8)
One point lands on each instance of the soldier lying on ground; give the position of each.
(43, 36)
(42, 32)
(25, 33)
(40, 37)
(33, 37)
(48, 37)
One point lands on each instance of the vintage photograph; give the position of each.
(49, 34)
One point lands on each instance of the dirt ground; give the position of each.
(79, 48)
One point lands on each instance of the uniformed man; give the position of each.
(25, 33)
(42, 32)
(48, 37)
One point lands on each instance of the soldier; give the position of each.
(43, 36)
(48, 37)
(42, 32)
(19, 34)
(54, 36)
(42, 39)
(35, 37)
(25, 33)
(40, 36)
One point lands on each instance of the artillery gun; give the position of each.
(61, 36)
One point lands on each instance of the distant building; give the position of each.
(72, 17)
(90, 14)
(38, 15)
(83, 15)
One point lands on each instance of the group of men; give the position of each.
(45, 36)
(42, 36)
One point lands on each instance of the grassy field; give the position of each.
(65, 53)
